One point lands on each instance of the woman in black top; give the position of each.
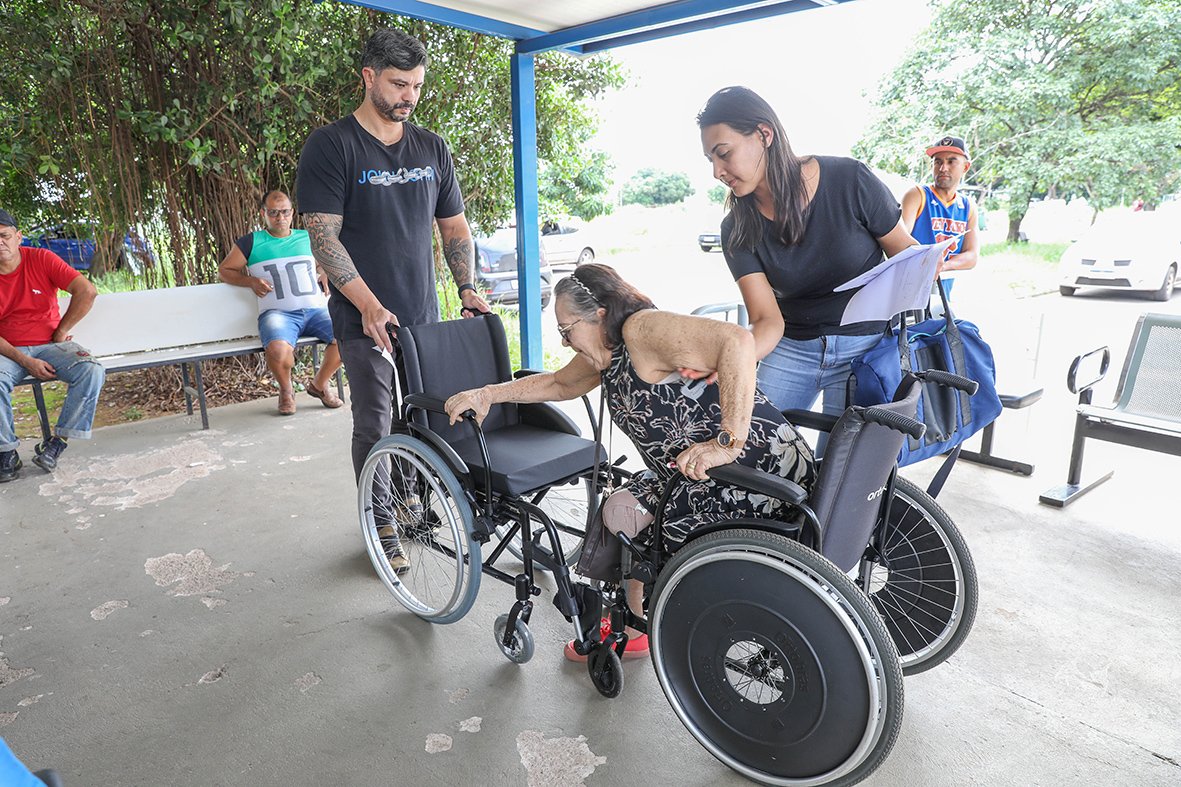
(797, 228)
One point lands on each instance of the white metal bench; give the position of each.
(179, 326)
(1147, 409)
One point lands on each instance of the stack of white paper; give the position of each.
(900, 283)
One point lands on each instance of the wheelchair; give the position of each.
(776, 643)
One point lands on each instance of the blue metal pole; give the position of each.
(525, 190)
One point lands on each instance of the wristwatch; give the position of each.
(466, 286)
(726, 439)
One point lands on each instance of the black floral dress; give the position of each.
(665, 418)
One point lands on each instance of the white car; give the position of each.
(567, 244)
(1139, 251)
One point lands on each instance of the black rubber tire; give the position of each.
(606, 671)
(444, 574)
(774, 660)
(1067, 291)
(706, 248)
(1166, 289)
(929, 594)
(522, 647)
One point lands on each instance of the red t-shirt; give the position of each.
(28, 297)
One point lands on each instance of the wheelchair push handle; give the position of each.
(895, 421)
(950, 380)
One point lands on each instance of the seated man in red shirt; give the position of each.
(35, 339)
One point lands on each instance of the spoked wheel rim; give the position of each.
(920, 583)
(442, 579)
(782, 680)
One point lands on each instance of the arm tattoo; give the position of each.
(331, 255)
(461, 256)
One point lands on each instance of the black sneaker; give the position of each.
(47, 454)
(10, 465)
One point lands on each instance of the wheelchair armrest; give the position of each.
(517, 375)
(429, 403)
(759, 481)
(810, 420)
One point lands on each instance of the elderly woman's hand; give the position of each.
(476, 400)
(695, 460)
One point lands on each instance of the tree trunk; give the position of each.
(1015, 227)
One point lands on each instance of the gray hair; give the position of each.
(390, 48)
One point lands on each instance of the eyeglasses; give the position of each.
(275, 213)
(564, 330)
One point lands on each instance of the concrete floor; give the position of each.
(180, 607)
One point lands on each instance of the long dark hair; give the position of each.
(594, 286)
(744, 110)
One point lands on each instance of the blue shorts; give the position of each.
(278, 325)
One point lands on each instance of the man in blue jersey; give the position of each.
(277, 264)
(938, 212)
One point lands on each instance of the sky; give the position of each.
(814, 67)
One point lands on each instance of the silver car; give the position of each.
(496, 268)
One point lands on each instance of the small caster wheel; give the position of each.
(606, 671)
(521, 649)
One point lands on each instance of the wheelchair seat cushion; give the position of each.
(525, 458)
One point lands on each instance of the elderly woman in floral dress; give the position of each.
(637, 353)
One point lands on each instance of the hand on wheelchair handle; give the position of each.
(467, 404)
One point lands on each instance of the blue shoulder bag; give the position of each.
(944, 344)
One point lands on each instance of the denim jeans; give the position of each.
(81, 373)
(798, 370)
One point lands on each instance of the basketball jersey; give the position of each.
(288, 265)
(937, 222)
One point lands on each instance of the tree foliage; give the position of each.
(717, 194)
(653, 187)
(573, 187)
(1063, 97)
(177, 114)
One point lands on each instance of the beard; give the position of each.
(387, 110)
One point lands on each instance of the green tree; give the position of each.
(652, 187)
(177, 115)
(574, 187)
(717, 194)
(1068, 97)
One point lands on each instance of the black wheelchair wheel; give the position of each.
(427, 525)
(923, 581)
(606, 671)
(567, 506)
(774, 660)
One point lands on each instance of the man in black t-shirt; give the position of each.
(369, 187)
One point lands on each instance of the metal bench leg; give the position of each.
(201, 394)
(188, 389)
(1062, 496)
(985, 456)
(340, 382)
(39, 397)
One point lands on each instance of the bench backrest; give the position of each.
(127, 322)
(1148, 384)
